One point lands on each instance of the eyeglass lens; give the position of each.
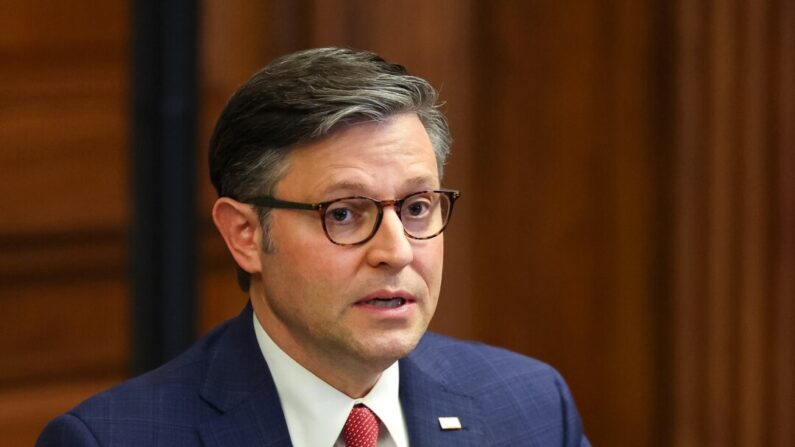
(350, 221)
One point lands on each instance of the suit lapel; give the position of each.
(426, 398)
(239, 385)
(257, 422)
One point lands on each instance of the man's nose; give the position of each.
(390, 246)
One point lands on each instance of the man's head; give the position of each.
(307, 130)
(305, 96)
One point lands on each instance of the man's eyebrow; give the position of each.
(425, 181)
(420, 181)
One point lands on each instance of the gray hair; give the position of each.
(305, 96)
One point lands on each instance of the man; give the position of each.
(328, 166)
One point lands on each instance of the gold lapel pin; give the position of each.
(450, 423)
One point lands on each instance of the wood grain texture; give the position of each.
(63, 329)
(64, 201)
(568, 92)
(730, 355)
(63, 117)
(781, 387)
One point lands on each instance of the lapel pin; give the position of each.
(450, 423)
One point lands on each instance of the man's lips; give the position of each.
(386, 299)
(384, 303)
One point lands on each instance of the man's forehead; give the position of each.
(389, 157)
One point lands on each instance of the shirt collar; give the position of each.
(314, 410)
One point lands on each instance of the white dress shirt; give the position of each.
(316, 412)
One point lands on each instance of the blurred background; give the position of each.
(628, 178)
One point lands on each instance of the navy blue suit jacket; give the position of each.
(220, 393)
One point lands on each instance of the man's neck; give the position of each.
(352, 377)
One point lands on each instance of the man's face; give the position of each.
(315, 296)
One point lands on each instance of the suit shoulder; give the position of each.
(530, 393)
(67, 429)
(480, 361)
(186, 372)
(152, 399)
(490, 373)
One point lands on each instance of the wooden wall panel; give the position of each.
(565, 255)
(538, 242)
(63, 289)
(781, 386)
(731, 330)
(63, 118)
(63, 329)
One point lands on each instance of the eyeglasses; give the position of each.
(355, 220)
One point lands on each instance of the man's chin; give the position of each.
(388, 349)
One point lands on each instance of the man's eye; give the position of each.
(418, 209)
(341, 215)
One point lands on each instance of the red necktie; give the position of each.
(361, 428)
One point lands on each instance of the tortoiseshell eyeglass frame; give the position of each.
(272, 202)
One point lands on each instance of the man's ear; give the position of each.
(239, 225)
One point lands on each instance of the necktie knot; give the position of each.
(361, 428)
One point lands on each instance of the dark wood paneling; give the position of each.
(731, 330)
(565, 269)
(35, 257)
(539, 178)
(64, 198)
(63, 329)
(63, 117)
(781, 386)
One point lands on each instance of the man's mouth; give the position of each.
(386, 303)
(387, 299)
